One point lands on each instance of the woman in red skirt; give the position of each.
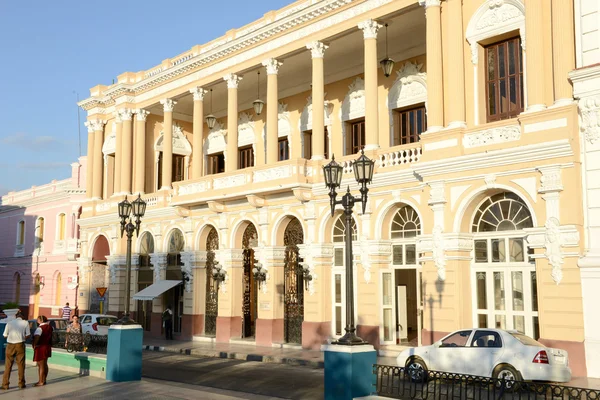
(42, 348)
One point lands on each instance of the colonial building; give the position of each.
(39, 245)
(473, 215)
(586, 84)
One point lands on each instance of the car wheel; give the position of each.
(416, 370)
(506, 377)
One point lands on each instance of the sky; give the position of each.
(53, 51)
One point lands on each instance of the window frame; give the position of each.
(212, 160)
(283, 141)
(351, 146)
(245, 153)
(399, 137)
(61, 227)
(21, 232)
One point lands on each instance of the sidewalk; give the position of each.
(290, 355)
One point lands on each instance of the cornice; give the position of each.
(225, 47)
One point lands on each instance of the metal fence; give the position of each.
(394, 382)
(77, 342)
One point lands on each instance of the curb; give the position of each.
(238, 356)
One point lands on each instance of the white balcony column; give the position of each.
(272, 66)
(534, 26)
(98, 127)
(370, 29)
(198, 128)
(118, 151)
(89, 171)
(126, 150)
(435, 85)
(456, 69)
(563, 50)
(231, 161)
(167, 156)
(140, 151)
(317, 50)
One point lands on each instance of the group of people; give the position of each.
(17, 332)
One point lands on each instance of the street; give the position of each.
(274, 380)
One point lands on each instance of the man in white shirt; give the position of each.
(16, 333)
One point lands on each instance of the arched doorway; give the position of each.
(174, 296)
(401, 296)
(503, 270)
(293, 283)
(212, 294)
(99, 277)
(250, 299)
(145, 279)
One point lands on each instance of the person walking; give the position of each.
(65, 312)
(167, 318)
(42, 348)
(16, 333)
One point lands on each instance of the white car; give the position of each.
(96, 324)
(491, 353)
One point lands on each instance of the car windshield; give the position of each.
(106, 321)
(526, 340)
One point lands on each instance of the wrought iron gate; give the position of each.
(293, 284)
(212, 295)
(249, 306)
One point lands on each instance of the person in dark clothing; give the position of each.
(167, 318)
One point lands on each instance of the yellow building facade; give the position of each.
(473, 217)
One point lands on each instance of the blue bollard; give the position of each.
(124, 353)
(349, 371)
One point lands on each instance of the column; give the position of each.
(98, 127)
(140, 151)
(456, 69)
(435, 85)
(231, 158)
(118, 151)
(167, 156)
(272, 66)
(159, 266)
(89, 174)
(563, 50)
(535, 55)
(318, 99)
(197, 151)
(230, 317)
(370, 28)
(126, 150)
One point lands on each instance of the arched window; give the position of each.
(61, 227)
(406, 223)
(58, 289)
(339, 230)
(503, 270)
(39, 230)
(146, 248)
(21, 233)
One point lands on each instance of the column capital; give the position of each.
(198, 93)
(272, 66)
(370, 28)
(551, 180)
(97, 124)
(89, 126)
(317, 49)
(125, 114)
(168, 104)
(430, 3)
(232, 80)
(141, 114)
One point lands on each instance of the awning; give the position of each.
(155, 290)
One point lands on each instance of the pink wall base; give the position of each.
(269, 331)
(191, 325)
(227, 328)
(314, 334)
(369, 333)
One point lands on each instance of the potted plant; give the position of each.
(10, 309)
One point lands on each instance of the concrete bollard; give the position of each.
(349, 371)
(124, 353)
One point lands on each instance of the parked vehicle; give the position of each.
(492, 353)
(59, 326)
(96, 324)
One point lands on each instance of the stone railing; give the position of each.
(399, 155)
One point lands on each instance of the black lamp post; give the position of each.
(363, 172)
(128, 211)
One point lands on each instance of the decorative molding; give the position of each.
(141, 114)
(492, 136)
(437, 252)
(272, 65)
(97, 124)
(275, 173)
(198, 93)
(303, 194)
(159, 264)
(256, 201)
(125, 114)
(232, 80)
(437, 193)
(246, 133)
(317, 49)
(187, 259)
(409, 88)
(430, 3)
(551, 179)
(490, 181)
(192, 188)
(110, 142)
(370, 28)
(229, 181)
(589, 110)
(215, 142)
(216, 206)
(168, 105)
(181, 145)
(495, 17)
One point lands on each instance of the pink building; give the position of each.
(39, 244)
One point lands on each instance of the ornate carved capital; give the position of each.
(590, 118)
(141, 114)
(317, 49)
(370, 28)
(430, 3)
(551, 179)
(168, 105)
(232, 80)
(97, 124)
(125, 114)
(159, 263)
(272, 66)
(437, 194)
(89, 127)
(198, 93)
